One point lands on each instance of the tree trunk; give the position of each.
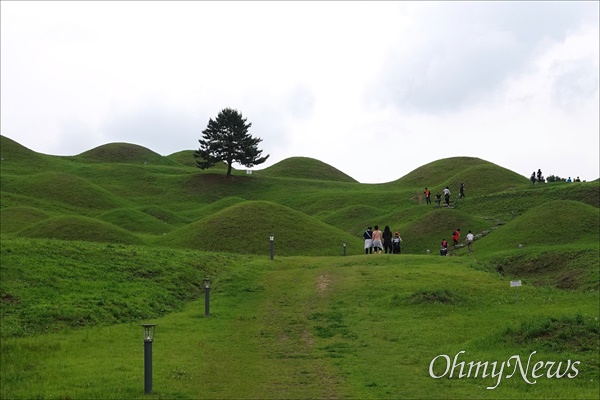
(228, 170)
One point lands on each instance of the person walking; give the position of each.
(470, 239)
(368, 236)
(396, 243)
(532, 178)
(447, 196)
(456, 237)
(427, 196)
(438, 200)
(461, 191)
(377, 237)
(387, 240)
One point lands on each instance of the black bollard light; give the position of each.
(272, 240)
(206, 297)
(344, 244)
(148, 338)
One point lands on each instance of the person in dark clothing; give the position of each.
(427, 196)
(438, 200)
(368, 236)
(539, 175)
(532, 178)
(461, 191)
(387, 240)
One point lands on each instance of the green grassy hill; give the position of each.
(124, 153)
(93, 245)
(305, 168)
(245, 228)
(80, 229)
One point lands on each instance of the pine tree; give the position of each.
(226, 139)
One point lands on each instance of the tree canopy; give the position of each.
(226, 139)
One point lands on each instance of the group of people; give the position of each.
(576, 180)
(377, 241)
(446, 192)
(455, 240)
(540, 177)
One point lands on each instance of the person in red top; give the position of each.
(456, 236)
(444, 248)
(427, 196)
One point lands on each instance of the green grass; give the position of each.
(92, 245)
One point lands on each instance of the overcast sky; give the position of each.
(375, 89)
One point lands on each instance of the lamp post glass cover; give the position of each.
(272, 237)
(207, 283)
(148, 332)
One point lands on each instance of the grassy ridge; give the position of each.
(138, 233)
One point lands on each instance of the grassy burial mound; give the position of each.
(186, 157)
(305, 168)
(61, 190)
(245, 227)
(18, 159)
(135, 221)
(124, 153)
(562, 250)
(553, 223)
(479, 176)
(16, 218)
(79, 228)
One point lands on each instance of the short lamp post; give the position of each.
(206, 297)
(148, 338)
(272, 240)
(344, 245)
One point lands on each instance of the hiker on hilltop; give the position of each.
(532, 178)
(539, 175)
(368, 236)
(387, 240)
(461, 191)
(377, 237)
(396, 242)
(427, 196)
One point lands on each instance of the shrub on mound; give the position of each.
(79, 228)
(245, 228)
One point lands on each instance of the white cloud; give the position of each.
(375, 89)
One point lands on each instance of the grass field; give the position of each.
(95, 244)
